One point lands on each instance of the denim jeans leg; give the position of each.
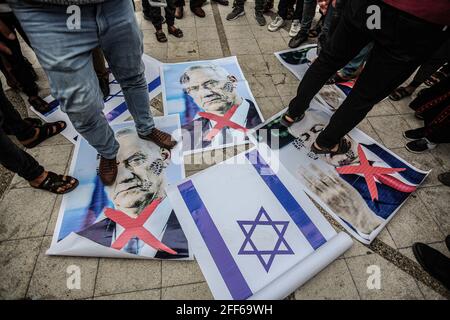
(309, 10)
(121, 41)
(66, 57)
(351, 67)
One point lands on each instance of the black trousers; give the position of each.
(437, 60)
(155, 13)
(11, 156)
(259, 4)
(400, 46)
(21, 69)
(192, 4)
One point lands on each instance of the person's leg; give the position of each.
(282, 9)
(121, 41)
(155, 17)
(437, 60)
(170, 12)
(69, 68)
(345, 43)
(400, 46)
(350, 69)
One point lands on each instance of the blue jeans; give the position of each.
(66, 56)
(351, 67)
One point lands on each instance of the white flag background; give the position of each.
(253, 230)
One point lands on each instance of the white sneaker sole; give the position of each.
(276, 29)
(239, 15)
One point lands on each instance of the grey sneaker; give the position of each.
(235, 13)
(260, 18)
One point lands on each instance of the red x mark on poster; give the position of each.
(380, 173)
(222, 121)
(135, 228)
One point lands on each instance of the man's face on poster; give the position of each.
(140, 175)
(212, 88)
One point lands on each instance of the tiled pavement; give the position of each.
(27, 217)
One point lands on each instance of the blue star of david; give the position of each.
(279, 228)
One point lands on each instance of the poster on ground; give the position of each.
(253, 230)
(132, 218)
(362, 189)
(214, 101)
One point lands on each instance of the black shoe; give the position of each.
(444, 178)
(419, 146)
(235, 13)
(298, 40)
(414, 134)
(447, 242)
(433, 262)
(260, 18)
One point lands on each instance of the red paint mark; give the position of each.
(135, 228)
(222, 121)
(380, 173)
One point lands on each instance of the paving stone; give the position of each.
(274, 65)
(238, 32)
(189, 34)
(402, 106)
(442, 155)
(18, 258)
(413, 222)
(390, 129)
(382, 108)
(424, 161)
(366, 127)
(271, 45)
(262, 32)
(243, 46)
(180, 272)
(199, 291)
(206, 21)
(262, 86)
(187, 49)
(395, 283)
(127, 275)
(253, 64)
(210, 49)
(436, 200)
(207, 33)
(154, 294)
(269, 106)
(157, 52)
(54, 216)
(334, 282)
(360, 249)
(24, 213)
(51, 276)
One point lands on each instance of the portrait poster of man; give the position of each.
(362, 189)
(255, 234)
(115, 108)
(132, 218)
(214, 101)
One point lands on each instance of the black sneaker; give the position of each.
(414, 134)
(260, 18)
(235, 13)
(433, 262)
(298, 40)
(419, 146)
(444, 178)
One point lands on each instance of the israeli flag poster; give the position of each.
(252, 229)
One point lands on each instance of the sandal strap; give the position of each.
(343, 148)
(54, 181)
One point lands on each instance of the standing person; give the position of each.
(238, 11)
(433, 106)
(17, 69)
(439, 60)
(29, 132)
(112, 26)
(406, 37)
(301, 23)
(157, 19)
(195, 6)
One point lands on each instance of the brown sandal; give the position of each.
(176, 31)
(45, 132)
(54, 181)
(160, 36)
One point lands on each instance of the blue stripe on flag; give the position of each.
(121, 108)
(292, 207)
(217, 247)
